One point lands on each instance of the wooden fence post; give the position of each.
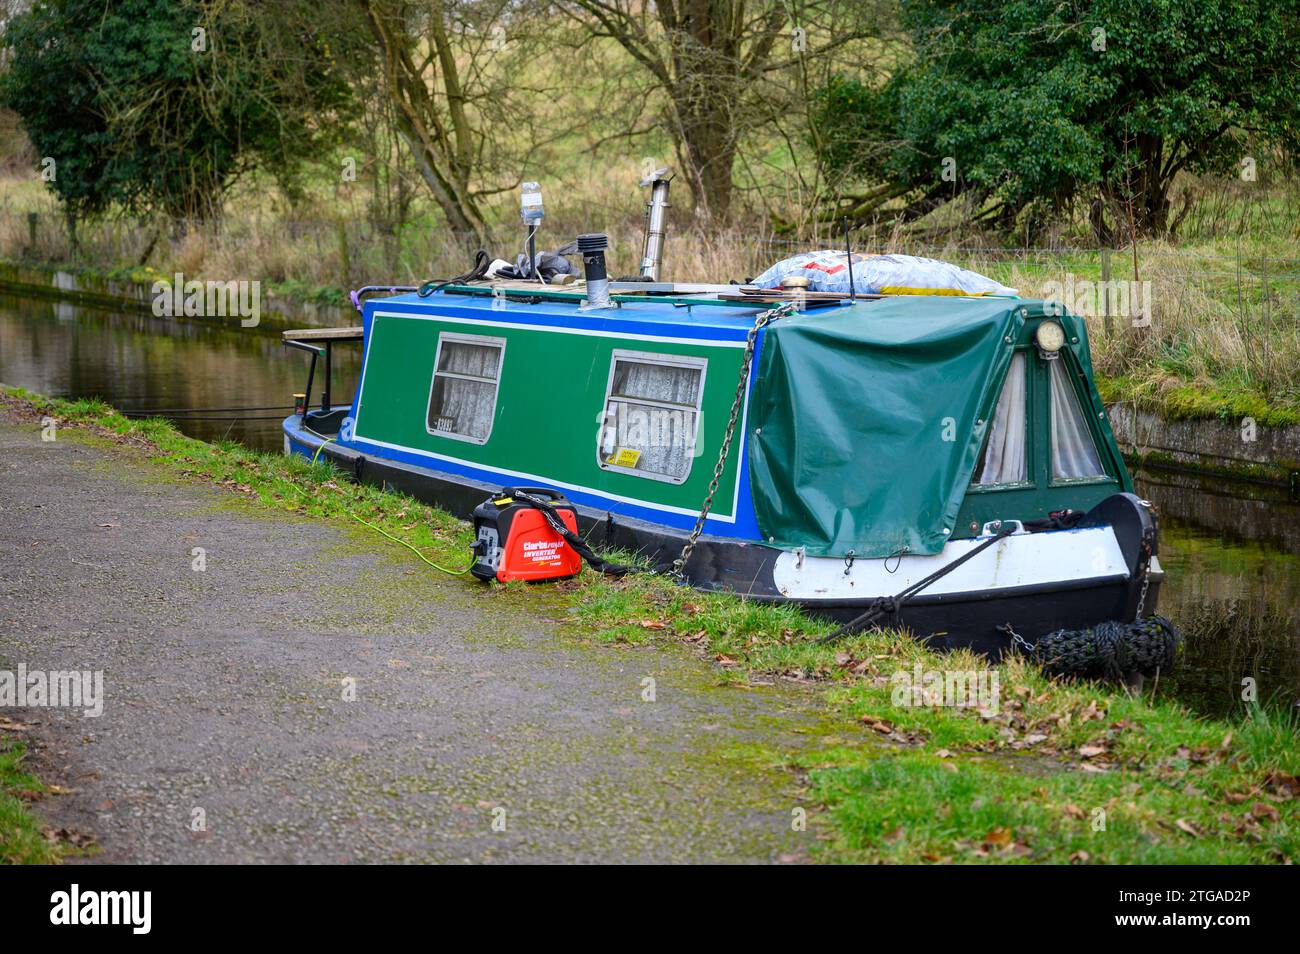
(345, 260)
(1105, 291)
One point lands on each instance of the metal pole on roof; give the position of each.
(848, 253)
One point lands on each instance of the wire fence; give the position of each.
(340, 253)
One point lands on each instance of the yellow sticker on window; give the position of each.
(625, 457)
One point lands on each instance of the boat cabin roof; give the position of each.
(725, 309)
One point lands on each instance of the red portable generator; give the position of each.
(514, 539)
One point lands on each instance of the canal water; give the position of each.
(1231, 552)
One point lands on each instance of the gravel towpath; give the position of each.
(224, 693)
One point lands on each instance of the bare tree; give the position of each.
(716, 61)
(447, 70)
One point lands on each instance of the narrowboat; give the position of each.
(949, 449)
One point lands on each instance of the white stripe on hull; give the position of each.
(1021, 559)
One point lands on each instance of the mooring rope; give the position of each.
(889, 605)
(169, 411)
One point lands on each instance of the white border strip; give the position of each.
(517, 474)
(586, 332)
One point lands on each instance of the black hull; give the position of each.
(974, 620)
(968, 620)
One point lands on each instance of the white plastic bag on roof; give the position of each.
(828, 271)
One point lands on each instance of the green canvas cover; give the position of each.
(866, 422)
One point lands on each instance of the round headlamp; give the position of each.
(1049, 337)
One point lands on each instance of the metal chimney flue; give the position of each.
(656, 220)
(592, 249)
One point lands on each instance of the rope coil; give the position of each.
(1109, 650)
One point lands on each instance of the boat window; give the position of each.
(1073, 452)
(652, 408)
(1003, 459)
(463, 396)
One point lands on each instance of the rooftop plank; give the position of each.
(324, 334)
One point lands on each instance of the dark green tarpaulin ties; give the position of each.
(867, 421)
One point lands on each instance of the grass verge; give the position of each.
(21, 838)
(1039, 770)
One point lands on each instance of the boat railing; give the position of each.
(319, 343)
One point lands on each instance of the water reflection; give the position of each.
(1232, 552)
(140, 362)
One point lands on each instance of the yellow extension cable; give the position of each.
(377, 529)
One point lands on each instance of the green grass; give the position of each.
(21, 840)
(1226, 400)
(1056, 772)
(1061, 772)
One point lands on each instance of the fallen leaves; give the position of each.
(850, 664)
(1182, 824)
(68, 836)
(1196, 756)
(1096, 767)
(880, 725)
(997, 838)
(1000, 842)
(1025, 726)
(1264, 811)
(1283, 786)
(1096, 755)
(891, 732)
(231, 484)
(1251, 823)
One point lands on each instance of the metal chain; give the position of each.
(760, 322)
(1019, 640)
(1146, 576)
